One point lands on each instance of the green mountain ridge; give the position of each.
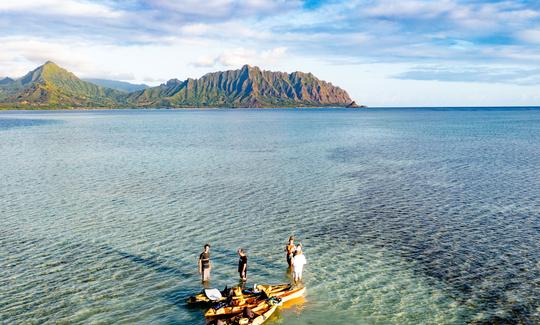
(246, 87)
(53, 86)
(50, 86)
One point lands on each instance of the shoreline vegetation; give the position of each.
(50, 87)
(96, 108)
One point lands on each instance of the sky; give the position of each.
(383, 52)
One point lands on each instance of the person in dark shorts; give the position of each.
(242, 265)
(289, 249)
(204, 264)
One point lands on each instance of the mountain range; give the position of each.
(52, 87)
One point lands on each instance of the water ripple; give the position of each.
(407, 217)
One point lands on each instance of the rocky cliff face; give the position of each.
(246, 87)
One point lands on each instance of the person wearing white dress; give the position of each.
(298, 262)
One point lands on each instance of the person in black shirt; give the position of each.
(242, 264)
(204, 264)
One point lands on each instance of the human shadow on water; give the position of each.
(177, 295)
(155, 264)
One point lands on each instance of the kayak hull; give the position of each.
(291, 294)
(264, 317)
(201, 298)
(257, 305)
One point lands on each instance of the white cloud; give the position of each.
(210, 8)
(155, 40)
(195, 29)
(204, 61)
(456, 17)
(274, 54)
(223, 8)
(222, 30)
(413, 9)
(530, 36)
(19, 55)
(519, 75)
(59, 7)
(239, 56)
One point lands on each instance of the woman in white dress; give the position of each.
(298, 262)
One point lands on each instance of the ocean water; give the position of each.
(407, 216)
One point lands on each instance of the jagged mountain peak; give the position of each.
(248, 86)
(173, 82)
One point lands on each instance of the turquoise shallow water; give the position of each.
(407, 216)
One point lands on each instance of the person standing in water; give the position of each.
(289, 250)
(242, 265)
(204, 264)
(298, 262)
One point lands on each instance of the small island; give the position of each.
(53, 87)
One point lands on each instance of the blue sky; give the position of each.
(384, 53)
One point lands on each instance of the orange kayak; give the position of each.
(257, 319)
(202, 298)
(255, 304)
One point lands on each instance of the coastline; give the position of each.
(168, 108)
(431, 108)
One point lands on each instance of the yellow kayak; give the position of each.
(258, 319)
(264, 317)
(202, 298)
(257, 304)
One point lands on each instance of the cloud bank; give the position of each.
(478, 41)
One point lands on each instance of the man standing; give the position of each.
(242, 265)
(298, 262)
(289, 250)
(204, 264)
